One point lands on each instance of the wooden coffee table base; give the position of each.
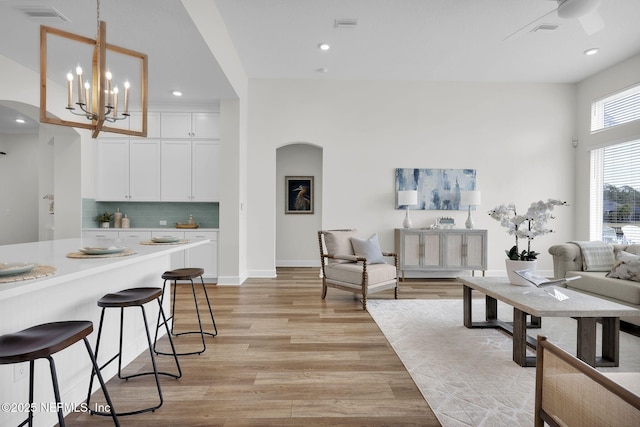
(586, 333)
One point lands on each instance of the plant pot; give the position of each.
(105, 225)
(513, 265)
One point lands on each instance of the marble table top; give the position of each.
(548, 301)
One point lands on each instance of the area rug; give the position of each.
(467, 375)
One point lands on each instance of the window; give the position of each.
(615, 191)
(622, 107)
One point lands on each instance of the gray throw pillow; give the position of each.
(627, 267)
(368, 248)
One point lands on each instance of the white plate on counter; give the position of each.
(10, 268)
(165, 239)
(91, 250)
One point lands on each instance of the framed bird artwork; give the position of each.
(298, 194)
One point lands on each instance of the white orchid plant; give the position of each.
(528, 226)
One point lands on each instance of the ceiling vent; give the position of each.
(43, 12)
(346, 23)
(545, 27)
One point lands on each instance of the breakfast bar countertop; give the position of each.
(54, 253)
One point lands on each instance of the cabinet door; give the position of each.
(144, 170)
(411, 250)
(153, 123)
(113, 170)
(476, 250)
(432, 249)
(175, 125)
(205, 125)
(205, 179)
(203, 256)
(455, 249)
(175, 182)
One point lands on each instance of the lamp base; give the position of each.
(407, 221)
(469, 222)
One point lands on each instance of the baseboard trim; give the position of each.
(263, 274)
(298, 263)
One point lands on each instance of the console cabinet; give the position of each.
(441, 250)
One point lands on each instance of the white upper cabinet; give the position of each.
(205, 167)
(153, 123)
(175, 181)
(113, 169)
(128, 170)
(190, 171)
(190, 125)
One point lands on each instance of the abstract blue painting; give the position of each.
(438, 189)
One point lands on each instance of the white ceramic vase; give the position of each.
(513, 265)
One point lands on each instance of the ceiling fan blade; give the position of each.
(592, 22)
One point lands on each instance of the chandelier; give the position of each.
(97, 98)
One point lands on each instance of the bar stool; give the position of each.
(187, 274)
(40, 342)
(135, 297)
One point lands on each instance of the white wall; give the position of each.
(22, 85)
(611, 80)
(18, 189)
(296, 241)
(517, 137)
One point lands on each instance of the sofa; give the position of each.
(601, 277)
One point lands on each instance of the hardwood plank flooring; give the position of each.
(283, 357)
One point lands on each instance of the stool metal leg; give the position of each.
(201, 331)
(155, 372)
(96, 371)
(56, 390)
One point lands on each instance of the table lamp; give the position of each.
(407, 198)
(469, 198)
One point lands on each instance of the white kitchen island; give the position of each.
(71, 293)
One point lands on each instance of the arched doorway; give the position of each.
(296, 241)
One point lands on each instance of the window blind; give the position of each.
(622, 107)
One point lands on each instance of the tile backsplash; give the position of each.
(149, 214)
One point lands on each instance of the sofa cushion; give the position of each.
(338, 242)
(352, 273)
(596, 282)
(627, 267)
(368, 248)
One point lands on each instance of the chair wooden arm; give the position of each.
(346, 257)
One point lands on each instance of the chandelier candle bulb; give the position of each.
(126, 98)
(108, 76)
(115, 101)
(79, 73)
(69, 90)
(87, 87)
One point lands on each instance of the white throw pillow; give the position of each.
(368, 248)
(627, 267)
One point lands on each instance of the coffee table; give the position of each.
(539, 303)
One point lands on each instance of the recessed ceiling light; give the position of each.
(176, 93)
(20, 121)
(591, 51)
(324, 46)
(322, 70)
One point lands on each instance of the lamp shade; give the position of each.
(470, 198)
(407, 198)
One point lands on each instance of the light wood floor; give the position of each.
(283, 357)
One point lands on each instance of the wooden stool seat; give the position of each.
(41, 342)
(183, 274)
(135, 297)
(129, 297)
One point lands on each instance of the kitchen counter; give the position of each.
(71, 294)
